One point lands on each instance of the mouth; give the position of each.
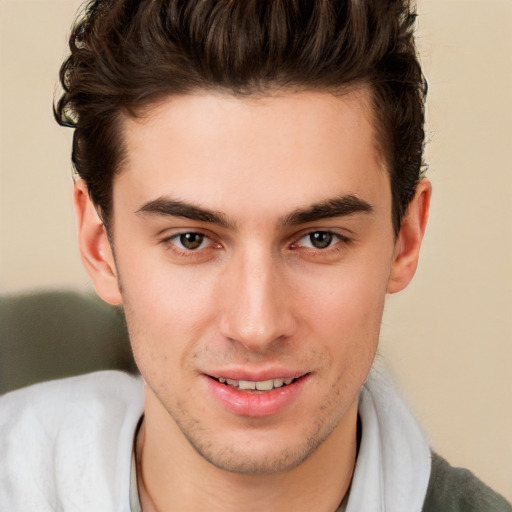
(257, 398)
(251, 385)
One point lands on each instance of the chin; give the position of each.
(257, 453)
(263, 462)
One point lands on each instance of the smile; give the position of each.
(262, 385)
(257, 398)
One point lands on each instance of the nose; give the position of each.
(256, 306)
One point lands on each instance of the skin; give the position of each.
(258, 294)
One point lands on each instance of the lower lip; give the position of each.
(256, 404)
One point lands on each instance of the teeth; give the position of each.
(278, 383)
(262, 385)
(246, 384)
(265, 385)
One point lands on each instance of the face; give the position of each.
(253, 247)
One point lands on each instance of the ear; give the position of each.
(407, 246)
(95, 250)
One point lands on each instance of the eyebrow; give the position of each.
(341, 206)
(174, 208)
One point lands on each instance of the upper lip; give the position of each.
(256, 376)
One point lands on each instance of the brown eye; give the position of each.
(191, 241)
(320, 239)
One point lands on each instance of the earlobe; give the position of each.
(408, 243)
(95, 250)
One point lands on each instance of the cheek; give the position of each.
(344, 314)
(347, 301)
(167, 308)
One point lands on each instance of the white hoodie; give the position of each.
(67, 446)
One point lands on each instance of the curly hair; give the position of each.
(128, 54)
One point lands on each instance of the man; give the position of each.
(249, 189)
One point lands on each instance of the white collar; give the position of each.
(393, 465)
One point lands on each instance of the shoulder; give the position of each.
(62, 437)
(54, 402)
(458, 490)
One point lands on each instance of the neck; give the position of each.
(171, 475)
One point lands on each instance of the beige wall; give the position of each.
(448, 337)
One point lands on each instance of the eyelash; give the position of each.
(336, 244)
(186, 252)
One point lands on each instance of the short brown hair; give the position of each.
(127, 54)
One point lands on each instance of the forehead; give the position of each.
(287, 149)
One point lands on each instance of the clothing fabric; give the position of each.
(393, 463)
(67, 446)
(458, 490)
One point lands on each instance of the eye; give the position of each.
(190, 241)
(318, 239)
